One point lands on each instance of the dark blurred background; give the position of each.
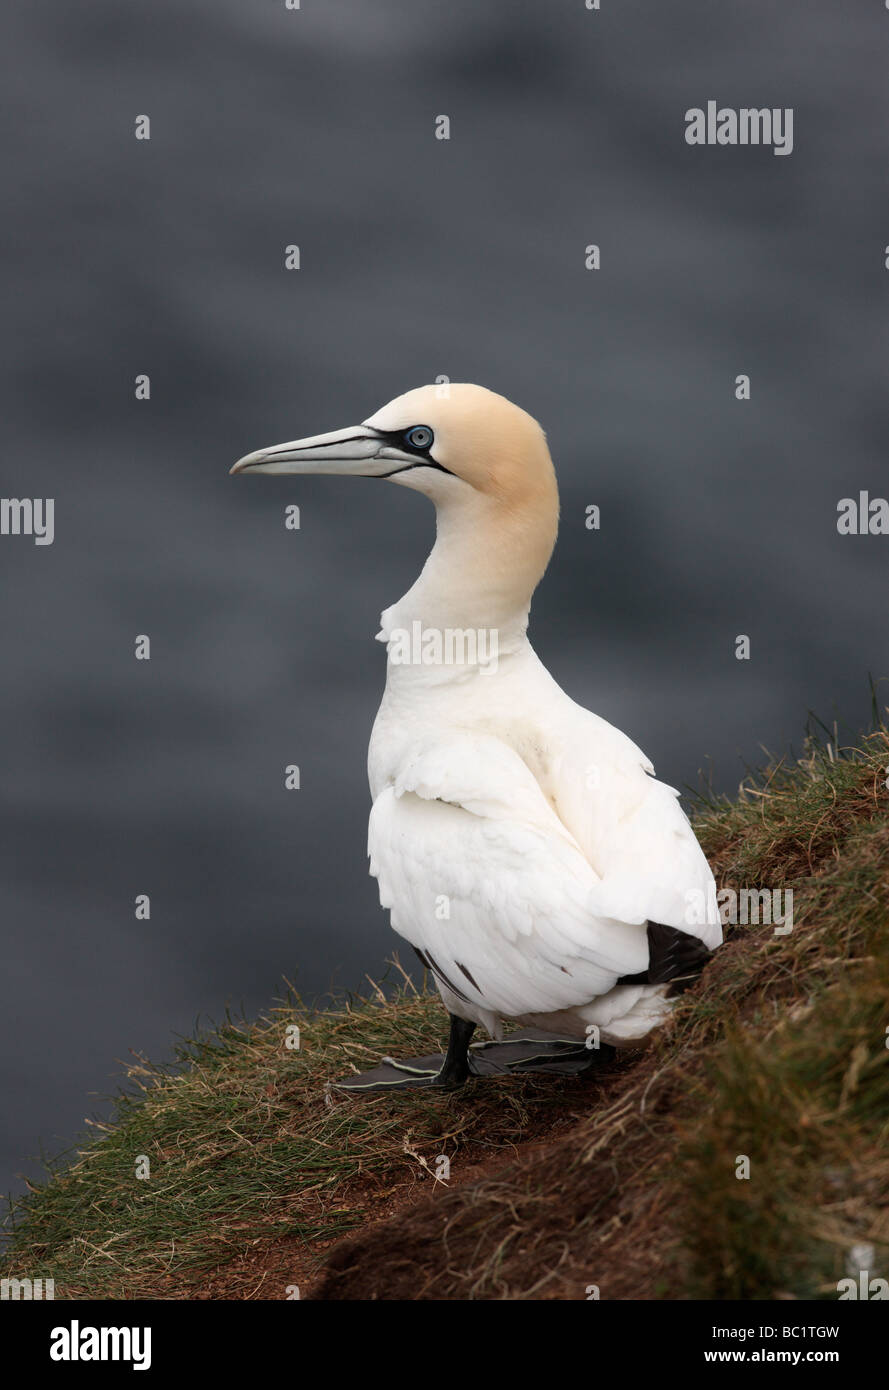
(419, 258)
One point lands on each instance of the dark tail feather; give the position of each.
(674, 957)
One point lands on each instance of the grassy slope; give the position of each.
(261, 1178)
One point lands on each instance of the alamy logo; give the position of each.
(748, 907)
(859, 1262)
(873, 1290)
(450, 646)
(26, 1289)
(863, 515)
(28, 516)
(750, 125)
(76, 1343)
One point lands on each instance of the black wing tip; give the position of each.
(674, 957)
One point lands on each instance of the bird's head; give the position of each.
(446, 441)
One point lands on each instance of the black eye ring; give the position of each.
(419, 437)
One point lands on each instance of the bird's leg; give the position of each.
(455, 1069)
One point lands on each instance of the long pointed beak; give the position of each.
(359, 451)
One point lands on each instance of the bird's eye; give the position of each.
(420, 437)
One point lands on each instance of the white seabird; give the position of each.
(522, 844)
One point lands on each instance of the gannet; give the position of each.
(521, 843)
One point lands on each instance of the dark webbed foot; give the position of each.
(528, 1051)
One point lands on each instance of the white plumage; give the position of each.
(521, 843)
(529, 861)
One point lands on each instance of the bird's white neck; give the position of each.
(479, 579)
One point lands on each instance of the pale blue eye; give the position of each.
(420, 437)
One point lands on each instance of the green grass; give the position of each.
(800, 1079)
(778, 1054)
(230, 1131)
(247, 1146)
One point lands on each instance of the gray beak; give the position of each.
(360, 452)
